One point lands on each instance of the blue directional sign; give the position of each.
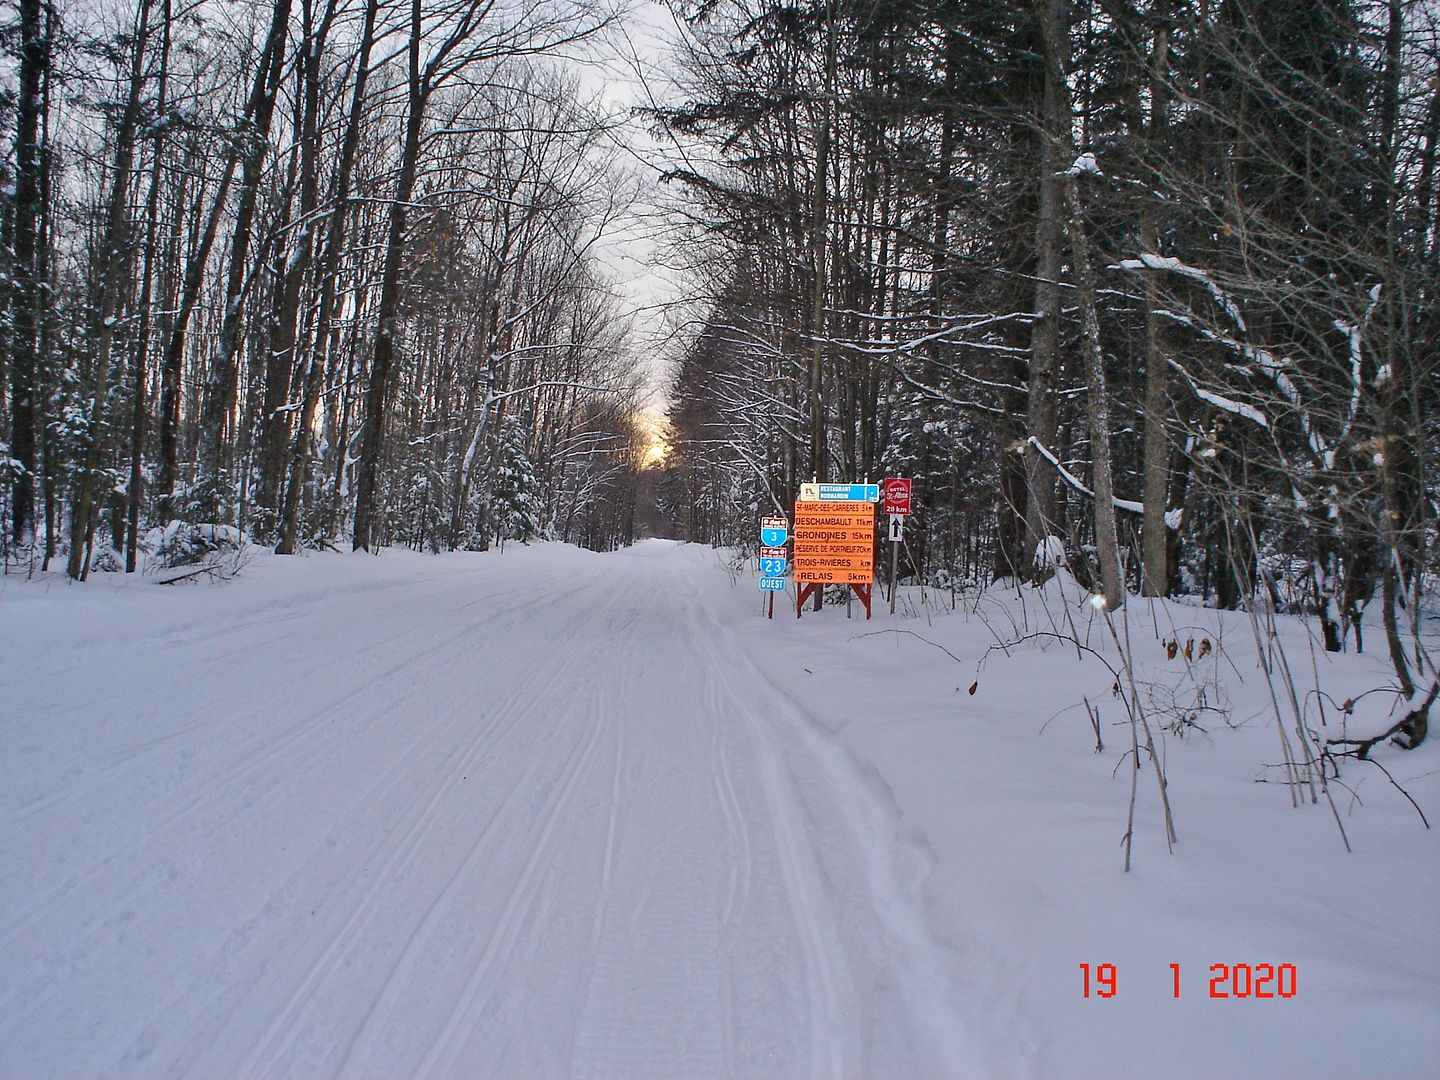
(772, 584)
(774, 531)
(772, 567)
(840, 492)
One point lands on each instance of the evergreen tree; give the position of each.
(515, 498)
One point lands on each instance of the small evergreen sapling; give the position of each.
(514, 499)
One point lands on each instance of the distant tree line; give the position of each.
(1153, 285)
(316, 270)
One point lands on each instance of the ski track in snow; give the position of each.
(465, 822)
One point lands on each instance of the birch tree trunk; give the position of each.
(1107, 540)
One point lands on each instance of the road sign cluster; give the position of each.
(774, 531)
(834, 536)
(835, 542)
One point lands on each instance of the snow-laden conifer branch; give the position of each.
(1128, 505)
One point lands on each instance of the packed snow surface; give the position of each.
(549, 813)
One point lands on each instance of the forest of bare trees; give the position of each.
(1150, 285)
(1147, 289)
(314, 272)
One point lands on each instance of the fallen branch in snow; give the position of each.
(222, 570)
(1412, 727)
(1395, 784)
(1068, 638)
(226, 565)
(172, 578)
(913, 634)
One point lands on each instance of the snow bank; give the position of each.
(557, 813)
(1025, 821)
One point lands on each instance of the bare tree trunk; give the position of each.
(1040, 413)
(274, 428)
(819, 253)
(1154, 541)
(220, 389)
(319, 354)
(114, 244)
(174, 357)
(1107, 541)
(372, 438)
(51, 469)
(28, 285)
(136, 493)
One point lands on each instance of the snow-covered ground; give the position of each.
(553, 813)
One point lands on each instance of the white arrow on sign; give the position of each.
(897, 526)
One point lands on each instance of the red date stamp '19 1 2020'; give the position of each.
(1248, 982)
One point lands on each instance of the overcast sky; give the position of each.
(632, 70)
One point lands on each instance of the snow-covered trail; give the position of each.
(537, 815)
